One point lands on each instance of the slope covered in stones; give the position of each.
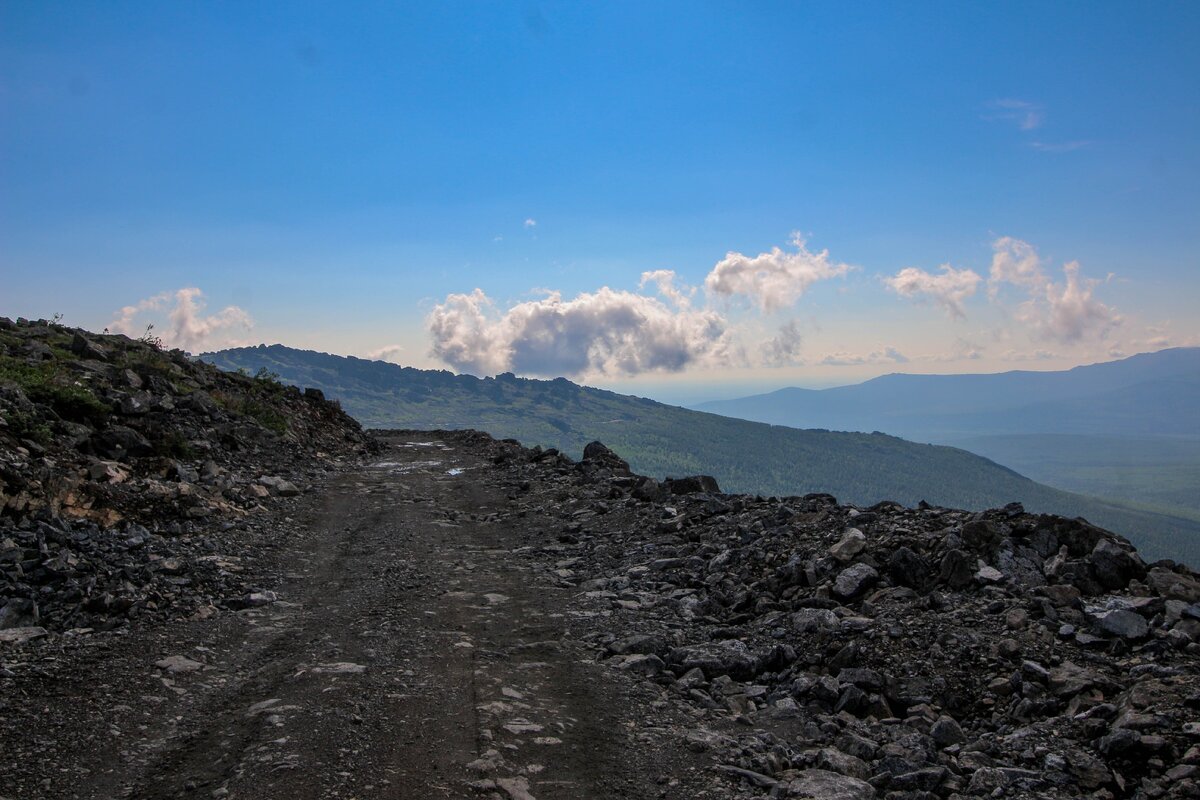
(829, 650)
(124, 468)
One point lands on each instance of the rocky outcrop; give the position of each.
(826, 650)
(127, 473)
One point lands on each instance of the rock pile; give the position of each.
(840, 652)
(127, 472)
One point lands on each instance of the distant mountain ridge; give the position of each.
(665, 440)
(1146, 394)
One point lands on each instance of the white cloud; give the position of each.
(530, 222)
(1067, 311)
(124, 320)
(1025, 115)
(664, 279)
(389, 352)
(947, 289)
(1015, 262)
(189, 328)
(775, 280)
(606, 332)
(784, 348)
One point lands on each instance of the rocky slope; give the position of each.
(832, 651)
(123, 468)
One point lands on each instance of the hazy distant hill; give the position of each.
(665, 440)
(1147, 394)
(1127, 431)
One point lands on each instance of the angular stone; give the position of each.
(178, 664)
(822, 784)
(851, 544)
(1122, 623)
(854, 581)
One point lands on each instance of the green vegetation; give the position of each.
(657, 439)
(49, 382)
(259, 401)
(1159, 473)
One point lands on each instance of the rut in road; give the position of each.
(411, 654)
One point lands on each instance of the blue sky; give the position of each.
(346, 175)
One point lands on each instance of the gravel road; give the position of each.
(405, 653)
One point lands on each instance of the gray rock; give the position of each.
(178, 664)
(957, 569)
(851, 544)
(907, 568)
(854, 581)
(1122, 623)
(1113, 566)
(822, 784)
(835, 760)
(946, 731)
(279, 486)
(814, 620)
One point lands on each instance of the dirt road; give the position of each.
(412, 649)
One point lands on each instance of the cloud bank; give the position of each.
(619, 333)
(189, 328)
(606, 332)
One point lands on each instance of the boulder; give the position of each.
(854, 581)
(850, 545)
(822, 784)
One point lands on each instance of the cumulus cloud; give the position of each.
(1066, 311)
(389, 352)
(774, 280)
(606, 332)
(189, 328)
(885, 355)
(783, 349)
(948, 289)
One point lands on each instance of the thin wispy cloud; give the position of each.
(783, 349)
(885, 355)
(530, 222)
(1026, 116)
(947, 289)
(389, 352)
(1060, 147)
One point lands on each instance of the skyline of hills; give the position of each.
(661, 440)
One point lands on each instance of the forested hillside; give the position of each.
(657, 439)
